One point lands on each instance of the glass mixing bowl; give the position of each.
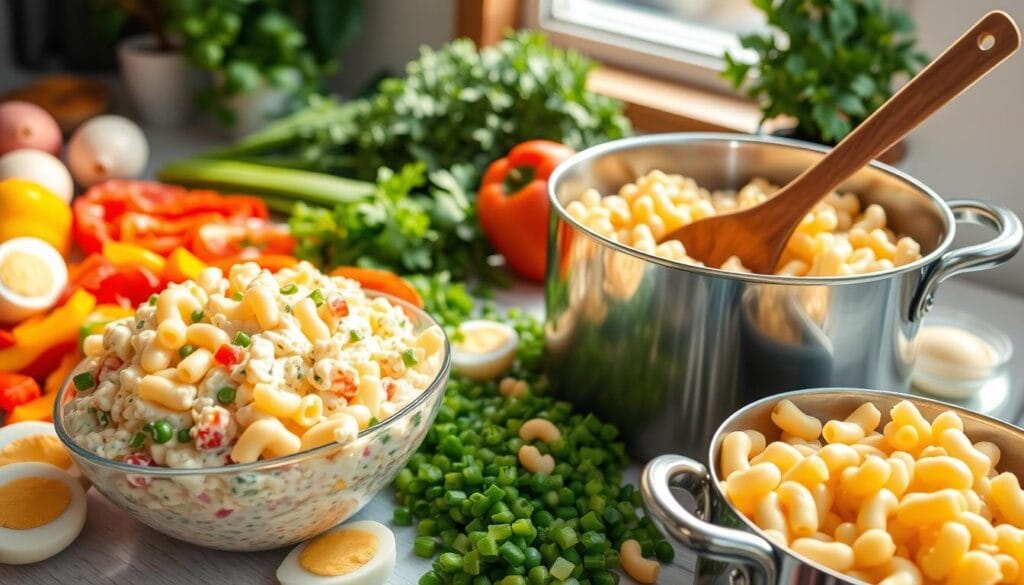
(269, 503)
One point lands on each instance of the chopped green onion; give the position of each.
(562, 569)
(226, 395)
(186, 350)
(354, 336)
(197, 315)
(409, 358)
(241, 339)
(137, 440)
(317, 296)
(424, 546)
(401, 516)
(84, 381)
(289, 289)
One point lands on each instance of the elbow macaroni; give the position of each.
(252, 365)
(915, 503)
(836, 238)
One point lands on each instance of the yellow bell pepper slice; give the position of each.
(182, 265)
(61, 325)
(39, 409)
(29, 209)
(122, 254)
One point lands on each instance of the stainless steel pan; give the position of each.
(667, 351)
(731, 549)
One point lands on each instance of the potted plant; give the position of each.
(159, 81)
(262, 54)
(826, 63)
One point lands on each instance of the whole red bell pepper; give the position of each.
(513, 204)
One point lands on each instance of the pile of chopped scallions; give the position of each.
(486, 518)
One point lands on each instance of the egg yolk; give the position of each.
(40, 448)
(338, 553)
(481, 340)
(31, 502)
(25, 274)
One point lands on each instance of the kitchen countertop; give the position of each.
(115, 549)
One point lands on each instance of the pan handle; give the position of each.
(716, 542)
(988, 254)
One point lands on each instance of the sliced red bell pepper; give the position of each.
(154, 215)
(6, 338)
(381, 281)
(127, 285)
(513, 204)
(215, 241)
(17, 389)
(228, 355)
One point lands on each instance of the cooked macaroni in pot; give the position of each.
(838, 237)
(254, 365)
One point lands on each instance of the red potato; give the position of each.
(25, 125)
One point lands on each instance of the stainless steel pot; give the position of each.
(667, 351)
(731, 548)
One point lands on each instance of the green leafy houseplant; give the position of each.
(289, 44)
(827, 63)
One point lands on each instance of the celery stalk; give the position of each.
(278, 185)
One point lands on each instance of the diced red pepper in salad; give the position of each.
(228, 355)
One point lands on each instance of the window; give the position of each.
(682, 40)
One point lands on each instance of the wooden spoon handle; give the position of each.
(994, 38)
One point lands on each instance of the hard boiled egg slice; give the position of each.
(356, 553)
(32, 276)
(36, 441)
(42, 511)
(484, 349)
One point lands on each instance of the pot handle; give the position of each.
(988, 254)
(716, 542)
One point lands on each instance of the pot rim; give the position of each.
(867, 394)
(673, 138)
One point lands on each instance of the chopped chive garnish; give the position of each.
(137, 440)
(317, 296)
(84, 381)
(409, 358)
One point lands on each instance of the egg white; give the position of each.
(28, 428)
(487, 365)
(19, 547)
(15, 307)
(375, 572)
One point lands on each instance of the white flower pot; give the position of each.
(255, 108)
(160, 84)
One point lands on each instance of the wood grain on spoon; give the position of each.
(758, 235)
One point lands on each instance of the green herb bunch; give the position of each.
(414, 222)
(828, 63)
(456, 105)
(289, 44)
(483, 516)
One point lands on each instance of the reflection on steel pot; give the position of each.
(667, 350)
(728, 544)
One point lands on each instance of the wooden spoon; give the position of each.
(758, 235)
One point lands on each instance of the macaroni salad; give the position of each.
(839, 237)
(254, 365)
(916, 502)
